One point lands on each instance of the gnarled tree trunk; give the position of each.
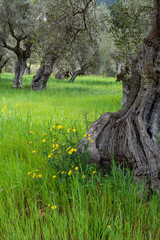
(131, 134)
(78, 72)
(41, 78)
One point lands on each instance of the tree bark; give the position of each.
(131, 135)
(78, 72)
(19, 71)
(40, 80)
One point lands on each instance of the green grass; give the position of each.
(88, 206)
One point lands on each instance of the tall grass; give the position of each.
(48, 192)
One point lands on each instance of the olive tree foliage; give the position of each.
(58, 23)
(130, 23)
(91, 50)
(15, 33)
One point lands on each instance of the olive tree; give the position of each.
(15, 33)
(58, 24)
(131, 135)
(130, 23)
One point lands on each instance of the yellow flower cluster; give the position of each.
(3, 109)
(89, 137)
(35, 174)
(52, 207)
(71, 150)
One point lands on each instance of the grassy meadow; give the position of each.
(47, 191)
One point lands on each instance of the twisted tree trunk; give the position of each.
(40, 80)
(131, 135)
(78, 72)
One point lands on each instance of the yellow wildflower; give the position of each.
(68, 148)
(54, 176)
(109, 226)
(4, 107)
(53, 140)
(53, 126)
(60, 127)
(68, 130)
(50, 129)
(44, 140)
(31, 132)
(39, 176)
(94, 172)
(62, 172)
(69, 173)
(54, 207)
(29, 173)
(49, 205)
(34, 174)
(17, 104)
(44, 134)
(3, 98)
(89, 135)
(57, 145)
(91, 141)
(83, 176)
(70, 152)
(30, 142)
(74, 130)
(50, 155)
(33, 151)
(63, 144)
(76, 168)
(36, 170)
(89, 138)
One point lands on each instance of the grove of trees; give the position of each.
(99, 37)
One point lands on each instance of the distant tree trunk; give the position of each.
(22, 56)
(124, 75)
(78, 72)
(62, 74)
(19, 71)
(131, 135)
(41, 78)
(28, 69)
(3, 63)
